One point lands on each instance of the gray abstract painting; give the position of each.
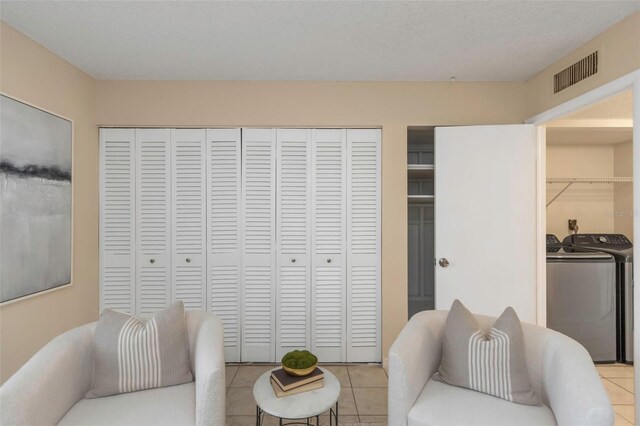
(35, 200)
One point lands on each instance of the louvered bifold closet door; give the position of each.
(363, 245)
(153, 214)
(224, 195)
(328, 286)
(117, 219)
(188, 261)
(293, 230)
(259, 248)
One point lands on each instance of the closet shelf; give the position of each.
(571, 180)
(421, 171)
(421, 198)
(589, 179)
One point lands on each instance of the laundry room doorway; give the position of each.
(588, 161)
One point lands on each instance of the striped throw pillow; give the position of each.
(132, 354)
(493, 362)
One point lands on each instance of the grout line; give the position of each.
(619, 386)
(234, 376)
(629, 420)
(349, 376)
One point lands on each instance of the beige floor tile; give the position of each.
(614, 371)
(626, 411)
(267, 420)
(627, 384)
(617, 394)
(241, 420)
(621, 421)
(346, 402)
(343, 420)
(373, 420)
(341, 372)
(240, 402)
(371, 401)
(229, 372)
(367, 376)
(248, 374)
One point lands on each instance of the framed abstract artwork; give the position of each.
(35, 200)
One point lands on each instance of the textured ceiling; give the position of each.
(319, 40)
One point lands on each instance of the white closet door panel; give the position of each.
(328, 288)
(293, 240)
(224, 234)
(189, 217)
(363, 245)
(117, 219)
(153, 214)
(259, 248)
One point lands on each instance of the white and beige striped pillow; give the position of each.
(132, 354)
(493, 363)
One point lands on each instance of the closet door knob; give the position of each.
(328, 260)
(152, 261)
(293, 260)
(188, 259)
(443, 262)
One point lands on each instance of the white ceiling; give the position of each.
(319, 40)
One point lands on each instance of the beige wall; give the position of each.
(393, 106)
(591, 204)
(623, 192)
(34, 75)
(620, 54)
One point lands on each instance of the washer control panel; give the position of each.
(608, 241)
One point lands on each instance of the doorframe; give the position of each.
(628, 81)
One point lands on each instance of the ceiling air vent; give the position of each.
(582, 69)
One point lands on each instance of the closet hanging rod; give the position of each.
(571, 181)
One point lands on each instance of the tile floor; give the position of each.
(363, 399)
(618, 381)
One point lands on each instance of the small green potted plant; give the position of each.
(299, 363)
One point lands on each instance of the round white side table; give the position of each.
(301, 406)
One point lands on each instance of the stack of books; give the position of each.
(284, 384)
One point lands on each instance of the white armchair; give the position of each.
(560, 369)
(50, 388)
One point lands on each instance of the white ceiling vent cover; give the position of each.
(585, 67)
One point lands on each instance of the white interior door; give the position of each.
(153, 215)
(485, 218)
(328, 284)
(363, 245)
(293, 260)
(224, 180)
(189, 225)
(117, 219)
(258, 244)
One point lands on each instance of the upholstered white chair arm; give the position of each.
(206, 348)
(413, 358)
(574, 389)
(52, 382)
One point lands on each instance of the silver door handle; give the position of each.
(443, 262)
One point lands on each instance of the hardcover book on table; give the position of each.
(304, 388)
(287, 382)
